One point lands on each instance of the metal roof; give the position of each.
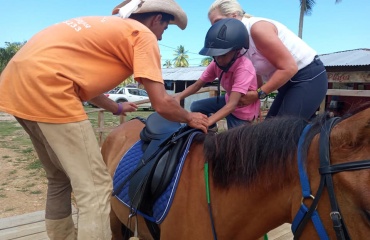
(355, 57)
(182, 73)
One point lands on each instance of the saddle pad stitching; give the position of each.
(117, 197)
(177, 178)
(133, 145)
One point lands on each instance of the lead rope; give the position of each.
(208, 194)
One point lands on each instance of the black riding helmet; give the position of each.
(225, 35)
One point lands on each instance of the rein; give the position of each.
(208, 194)
(326, 170)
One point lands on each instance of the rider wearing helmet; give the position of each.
(226, 41)
(224, 36)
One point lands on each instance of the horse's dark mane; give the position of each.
(240, 155)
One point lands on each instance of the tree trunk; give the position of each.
(301, 18)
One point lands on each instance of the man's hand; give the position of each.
(128, 107)
(248, 98)
(198, 121)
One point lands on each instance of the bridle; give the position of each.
(326, 171)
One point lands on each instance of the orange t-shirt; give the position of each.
(76, 60)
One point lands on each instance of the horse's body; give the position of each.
(254, 183)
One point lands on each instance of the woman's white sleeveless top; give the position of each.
(301, 52)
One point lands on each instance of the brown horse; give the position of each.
(254, 182)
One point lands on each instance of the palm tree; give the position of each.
(206, 61)
(8, 52)
(181, 58)
(167, 63)
(306, 9)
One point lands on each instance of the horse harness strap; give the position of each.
(304, 214)
(326, 170)
(338, 222)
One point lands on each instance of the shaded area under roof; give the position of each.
(355, 57)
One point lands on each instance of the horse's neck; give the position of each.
(246, 210)
(255, 210)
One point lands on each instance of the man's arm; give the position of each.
(170, 109)
(103, 101)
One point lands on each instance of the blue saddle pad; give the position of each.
(129, 162)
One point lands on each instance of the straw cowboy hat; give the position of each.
(165, 6)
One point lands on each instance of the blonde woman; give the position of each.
(282, 60)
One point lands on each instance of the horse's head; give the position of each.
(349, 143)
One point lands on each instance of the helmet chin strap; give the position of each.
(225, 69)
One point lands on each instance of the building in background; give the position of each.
(348, 73)
(349, 79)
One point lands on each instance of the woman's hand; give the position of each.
(249, 98)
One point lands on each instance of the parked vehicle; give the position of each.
(129, 94)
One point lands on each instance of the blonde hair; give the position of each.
(228, 7)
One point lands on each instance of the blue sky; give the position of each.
(331, 27)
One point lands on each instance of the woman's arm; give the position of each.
(265, 37)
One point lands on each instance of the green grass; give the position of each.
(7, 128)
(34, 165)
(27, 150)
(36, 192)
(14, 138)
(30, 185)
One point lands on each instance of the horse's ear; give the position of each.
(353, 131)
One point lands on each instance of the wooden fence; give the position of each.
(101, 129)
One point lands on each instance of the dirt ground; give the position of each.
(21, 190)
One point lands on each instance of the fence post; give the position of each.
(122, 119)
(101, 126)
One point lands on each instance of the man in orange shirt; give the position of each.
(78, 60)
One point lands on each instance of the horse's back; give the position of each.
(116, 144)
(119, 141)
